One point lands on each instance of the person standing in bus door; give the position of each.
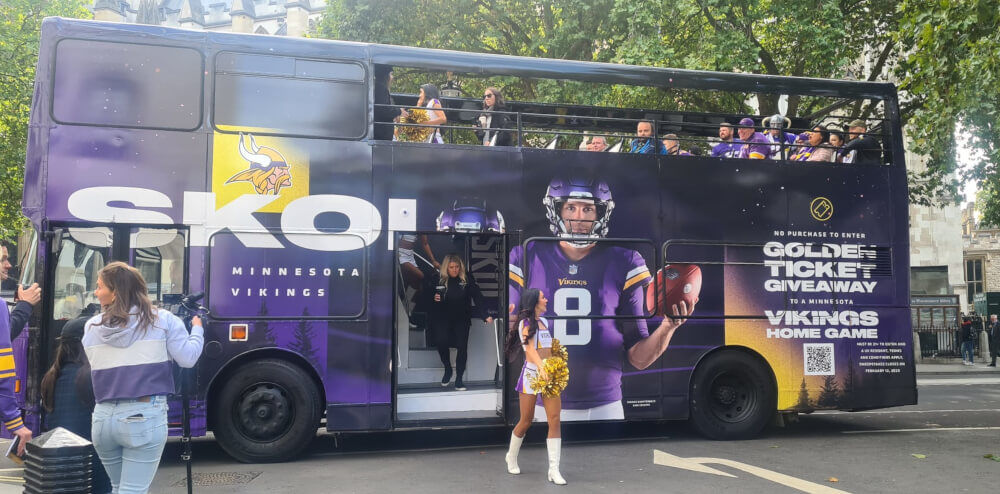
(861, 148)
(435, 116)
(452, 314)
(130, 345)
(530, 332)
(728, 147)
(489, 125)
(755, 145)
(590, 279)
(994, 330)
(27, 298)
(68, 395)
(644, 143)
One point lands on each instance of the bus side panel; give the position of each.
(819, 296)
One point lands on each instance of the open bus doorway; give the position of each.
(422, 333)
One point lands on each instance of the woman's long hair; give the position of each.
(431, 93)
(525, 311)
(70, 351)
(498, 102)
(448, 259)
(130, 291)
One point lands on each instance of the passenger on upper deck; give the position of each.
(729, 147)
(672, 146)
(644, 143)
(597, 143)
(811, 146)
(383, 114)
(837, 144)
(429, 99)
(861, 148)
(778, 138)
(488, 120)
(755, 145)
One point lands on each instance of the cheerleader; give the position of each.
(532, 332)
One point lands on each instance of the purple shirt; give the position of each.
(607, 282)
(730, 149)
(757, 147)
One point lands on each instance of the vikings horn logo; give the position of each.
(268, 170)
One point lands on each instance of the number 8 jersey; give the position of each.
(607, 282)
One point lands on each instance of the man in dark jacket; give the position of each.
(994, 331)
(863, 148)
(968, 341)
(26, 298)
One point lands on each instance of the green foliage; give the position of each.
(950, 76)
(20, 22)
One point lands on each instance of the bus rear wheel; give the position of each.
(733, 396)
(267, 411)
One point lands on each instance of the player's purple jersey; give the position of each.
(607, 282)
(727, 149)
(757, 147)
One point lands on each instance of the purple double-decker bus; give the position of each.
(265, 172)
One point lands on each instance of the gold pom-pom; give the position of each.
(558, 372)
(416, 134)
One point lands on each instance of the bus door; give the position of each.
(428, 334)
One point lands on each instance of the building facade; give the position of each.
(981, 245)
(276, 17)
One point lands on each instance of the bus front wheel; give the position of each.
(733, 396)
(267, 411)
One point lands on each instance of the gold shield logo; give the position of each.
(821, 209)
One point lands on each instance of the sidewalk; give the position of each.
(955, 368)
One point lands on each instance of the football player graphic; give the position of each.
(589, 278)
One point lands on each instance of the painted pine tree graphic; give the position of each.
(302, 341)
(829, 394)
(262, 334)
(803, 403)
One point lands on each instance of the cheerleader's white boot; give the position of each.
(555, 446)
(515, 448)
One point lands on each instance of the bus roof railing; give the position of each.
(487, 64)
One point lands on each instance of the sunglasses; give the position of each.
(487, 96)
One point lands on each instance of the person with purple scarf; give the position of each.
(130, 346)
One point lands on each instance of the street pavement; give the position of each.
(936, 446)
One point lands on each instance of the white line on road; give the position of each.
(699, 465)
(890, 412)
(932, 429)
(966, 381)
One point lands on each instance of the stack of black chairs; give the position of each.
(57, 462)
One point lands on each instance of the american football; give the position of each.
(674, 283)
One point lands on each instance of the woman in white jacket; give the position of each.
(130, 345)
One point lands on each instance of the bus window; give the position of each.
(159, 256)
(290, 96)
(81, 255)
(127, 85)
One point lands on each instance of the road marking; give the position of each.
(699, 465)
(965, 381)
(890, 412)
(879, 431)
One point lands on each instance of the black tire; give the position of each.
(267, 411)
(733, 396)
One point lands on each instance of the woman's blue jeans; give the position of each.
(129, 436)
(968, 349)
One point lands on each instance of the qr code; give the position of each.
(818, 359)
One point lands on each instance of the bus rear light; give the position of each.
(237, 332)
